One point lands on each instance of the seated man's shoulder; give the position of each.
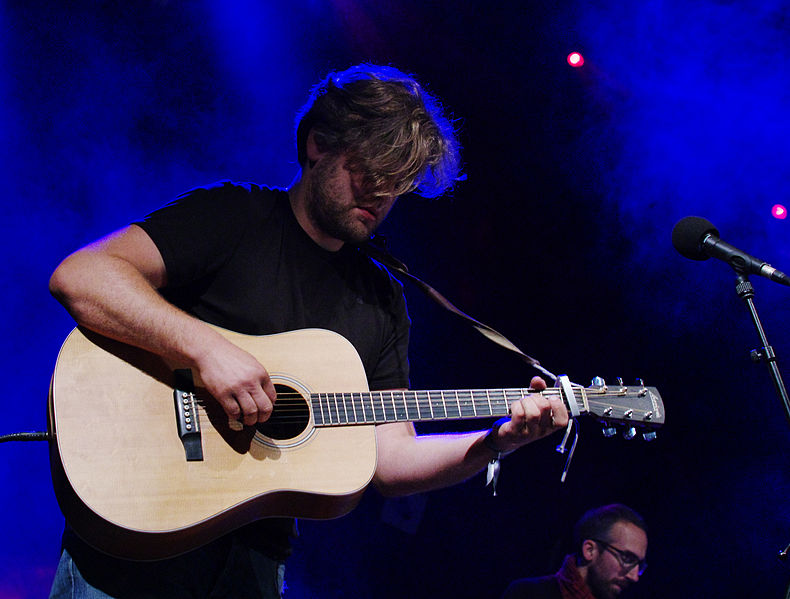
(542, 587)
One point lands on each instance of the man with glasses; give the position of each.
(610, 548)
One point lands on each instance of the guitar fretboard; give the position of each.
(378, 407)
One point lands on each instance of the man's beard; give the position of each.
(601, 589)
(325, 211)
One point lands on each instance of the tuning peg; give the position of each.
(629, 433)
(649, 436)
(640, 382)
(609, 431)
(620, 381)
(598, 382)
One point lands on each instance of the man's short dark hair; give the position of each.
(597, 522)
(391, 130)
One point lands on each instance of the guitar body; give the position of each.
(119, 467)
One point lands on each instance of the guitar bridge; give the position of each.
(186, 415)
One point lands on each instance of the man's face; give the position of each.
(338, 203)
(606, 576)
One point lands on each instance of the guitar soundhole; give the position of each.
(290, 417)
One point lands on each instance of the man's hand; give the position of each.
(532, 417)
(239, 383)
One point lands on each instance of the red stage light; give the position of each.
(575, 59)
(779, 211)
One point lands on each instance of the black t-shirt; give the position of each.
(236, 257)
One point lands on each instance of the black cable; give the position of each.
(33, 436)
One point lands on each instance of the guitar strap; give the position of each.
(376, 248)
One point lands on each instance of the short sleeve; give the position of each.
(199, 230)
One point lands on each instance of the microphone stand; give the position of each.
(745, 291)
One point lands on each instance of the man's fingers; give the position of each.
(271, 393)
(230, 405)
(264, 400)
(249, 408)
(537, 383)
(533, 409)
(559, 411)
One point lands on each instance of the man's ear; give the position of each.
(314, 153)
(589, 550)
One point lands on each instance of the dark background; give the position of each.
(559, 237)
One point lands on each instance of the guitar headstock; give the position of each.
(633, 407)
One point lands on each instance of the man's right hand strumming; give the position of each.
(239, 383)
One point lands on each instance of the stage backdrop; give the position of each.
(559, 237)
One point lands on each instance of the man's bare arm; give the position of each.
(110, 287)
(408, 463)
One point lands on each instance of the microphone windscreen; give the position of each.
(687, 236)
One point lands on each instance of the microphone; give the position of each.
(697, 239)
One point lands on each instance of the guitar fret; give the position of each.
(315, 402)
(512, 395)
(338, 397)
(389, 408)
(326, 415)
(383, 408)
(424, 405)
(466, 404)
(442, 413)
(452, 410)
(354, 403)
(416, 397)
(350, 416)
(344, 397)
(362, 408)
(334, 409)
(400, 408)
(505, 403)
(430, 404)
(367, 407)
(330, 404)
(322, 407)
(482, 407)
(377, 406)
(412, 409)
(481, 403)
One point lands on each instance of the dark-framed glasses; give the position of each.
(627, 560)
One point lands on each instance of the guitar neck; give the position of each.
(379, 407)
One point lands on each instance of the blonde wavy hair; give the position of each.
(391, 130)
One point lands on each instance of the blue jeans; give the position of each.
(233, 572)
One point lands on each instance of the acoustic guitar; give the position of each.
(146, 466)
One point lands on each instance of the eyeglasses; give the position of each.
(628, 561)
